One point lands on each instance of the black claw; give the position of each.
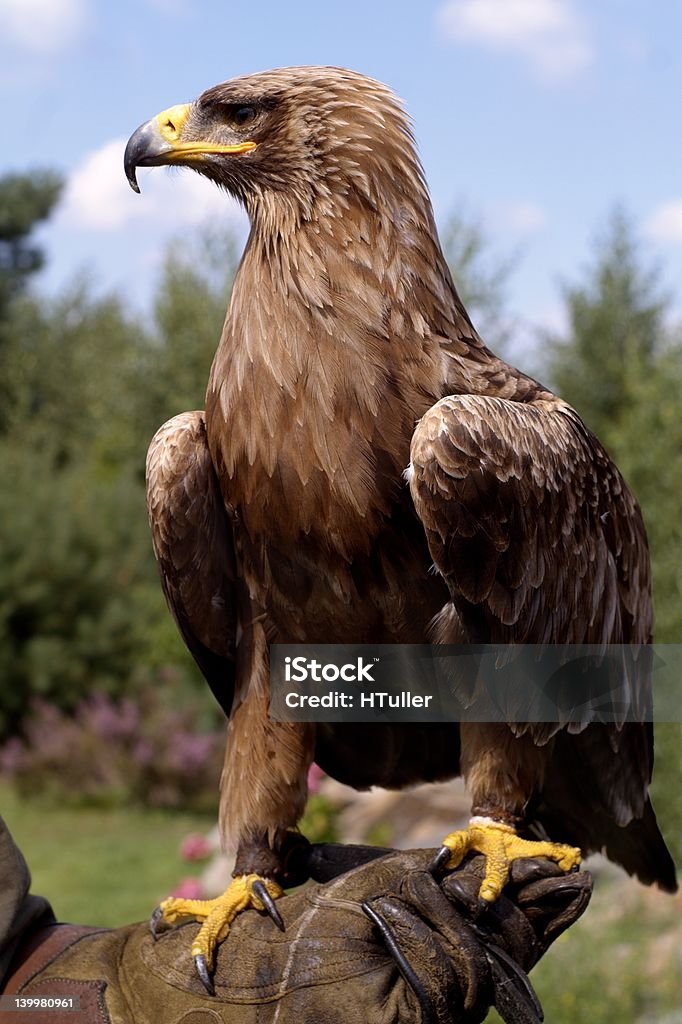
(483, 905)
(428, 1015)
(440, 860)
(154, 921)
(515, 998)
(259, 888)
(202, 971)
(575, 869)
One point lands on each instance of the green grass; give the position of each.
(100, 866)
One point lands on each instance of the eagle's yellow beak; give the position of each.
(159, 141)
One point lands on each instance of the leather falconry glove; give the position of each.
(383, 943)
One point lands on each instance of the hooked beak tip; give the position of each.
(145, 147)
(132, 180)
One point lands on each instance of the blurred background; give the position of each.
(549, 132)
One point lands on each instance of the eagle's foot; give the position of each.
(500, 845)
(244, 892)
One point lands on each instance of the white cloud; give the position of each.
(548, 33)
(98, 197)
(665, 223)
(42, 26)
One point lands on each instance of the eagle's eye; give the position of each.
(241, 116)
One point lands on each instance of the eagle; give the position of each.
(366, 470)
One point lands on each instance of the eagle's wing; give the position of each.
(530, 523)
(540, 541)
(192, 540)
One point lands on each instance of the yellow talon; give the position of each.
(500, 845)
(218, 914)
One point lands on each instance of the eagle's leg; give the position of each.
(502, 771)
(263, 790)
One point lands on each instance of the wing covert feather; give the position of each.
(530, 523)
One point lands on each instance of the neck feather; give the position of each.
(360, 273)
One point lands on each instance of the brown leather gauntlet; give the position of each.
(381, 944)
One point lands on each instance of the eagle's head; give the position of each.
(302, 140)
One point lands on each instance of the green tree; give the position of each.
(480, 275)
(25, 201)
(616, 332)
(80, 606)
(75, 370)
(189, 309)
(88, 384)
(620, 366)
(78, 591)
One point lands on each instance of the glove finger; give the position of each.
(463, 885)
(325, 861)
(554, 904)
(501, 923)
(462, 943)
(533, 869)
(543, 902)
(419, 957)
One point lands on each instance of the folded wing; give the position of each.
(530, 523)
(192, 539)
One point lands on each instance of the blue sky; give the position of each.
(539, 115)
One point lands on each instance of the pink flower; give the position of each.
(315, 776)
(189, 889)
(195, 847)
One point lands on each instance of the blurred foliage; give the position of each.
(84, 387)
(319, 823)
(616, 332)
(74, 376)
(189, 311)
(480, 275)
(78, 590)
(25, 201)
(147, 751)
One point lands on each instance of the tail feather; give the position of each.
(640, 848)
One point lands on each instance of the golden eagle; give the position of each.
(281, 513)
